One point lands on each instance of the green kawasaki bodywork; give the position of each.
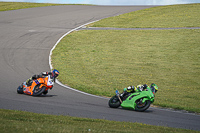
(130, 102)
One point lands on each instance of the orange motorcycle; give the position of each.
(37, 87)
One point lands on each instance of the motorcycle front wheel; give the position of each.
(37, 91)
(142, 106)
(114, 102)
(20, 89)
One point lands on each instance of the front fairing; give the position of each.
(27, 89)
(130, 102)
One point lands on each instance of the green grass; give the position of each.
(163, 16)
(21, 122)
(95, 51)
(5, 6)
(97, 62)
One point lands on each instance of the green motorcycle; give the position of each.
(138, 101)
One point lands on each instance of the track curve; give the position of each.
(27, 36)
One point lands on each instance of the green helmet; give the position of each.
(154, 86)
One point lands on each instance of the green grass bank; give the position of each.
(6, 6)
(98, 62)
(186, 15)
(23, 122)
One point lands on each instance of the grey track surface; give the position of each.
(26, 38)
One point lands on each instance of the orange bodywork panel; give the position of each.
(37, 82)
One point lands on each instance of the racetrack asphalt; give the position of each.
(26, 38)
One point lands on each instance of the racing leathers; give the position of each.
(41, 75)
(131, 89)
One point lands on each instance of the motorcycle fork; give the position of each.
(119, 99)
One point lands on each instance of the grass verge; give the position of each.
(98, 62)
(5, 6)
(20, 122)
(163, 16)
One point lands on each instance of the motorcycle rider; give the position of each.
(53, 75)
(128, 90)
(154, 87)
(139, 88)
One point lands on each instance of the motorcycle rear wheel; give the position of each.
(142, 106)
(114, 102)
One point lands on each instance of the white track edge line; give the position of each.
(58, 82)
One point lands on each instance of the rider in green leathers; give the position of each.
(139, 88)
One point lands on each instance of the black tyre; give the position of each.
(114, 102)
(45, 92)
(142, 106)
(37, 91)
(20, 90)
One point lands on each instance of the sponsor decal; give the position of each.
(36, 81)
